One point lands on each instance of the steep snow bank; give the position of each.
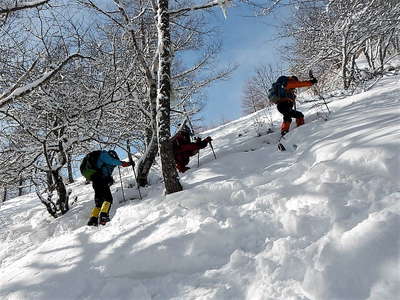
(319, 221)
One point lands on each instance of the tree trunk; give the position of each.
(147, 160)
(4, 194)
(366, 51)
(352, 69)
(20, 188)
(344, 62)
(50, 180)
(383, 49)
(69, 169)
(62, 202)
(170, 174)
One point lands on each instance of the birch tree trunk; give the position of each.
(147, 160)
(169, 172)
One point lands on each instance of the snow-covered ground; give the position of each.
(318, 221)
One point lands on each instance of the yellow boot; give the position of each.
(93, 221)
(105, 209)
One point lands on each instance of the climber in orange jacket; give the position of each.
(287, 100)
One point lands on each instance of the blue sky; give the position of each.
(247, 41)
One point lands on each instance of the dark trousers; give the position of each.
(286, 109)
(102, 192)
(181, 160)
(183, 154)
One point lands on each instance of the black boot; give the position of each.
(93, 221)
(104, 218)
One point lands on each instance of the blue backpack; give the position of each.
(278, 91)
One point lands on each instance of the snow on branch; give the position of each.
(6, 9)
(221, 3)
(21, 79)
(7, 97)
(264, 9)
(267, 10)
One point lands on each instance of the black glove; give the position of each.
(208, 139)
(314, 80)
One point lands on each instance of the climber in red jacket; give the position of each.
(184, 148)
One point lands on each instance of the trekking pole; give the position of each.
(122, 187)
(326, 104)
(212, 148)
(133, 167)
(311, 75)
(280, 145)
(134, 173)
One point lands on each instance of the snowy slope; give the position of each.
(319, 221)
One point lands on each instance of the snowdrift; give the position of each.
(318, 221)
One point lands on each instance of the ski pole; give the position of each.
(212, 148)
(133, 167)
(198, 158)
(326, 104)
(280, 145)
(122, 187)
(134, 173)
(311, 75)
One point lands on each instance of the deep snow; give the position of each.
(319, 221)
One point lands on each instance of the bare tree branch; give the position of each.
(21, 6)
(22, 91)
(210, 4)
